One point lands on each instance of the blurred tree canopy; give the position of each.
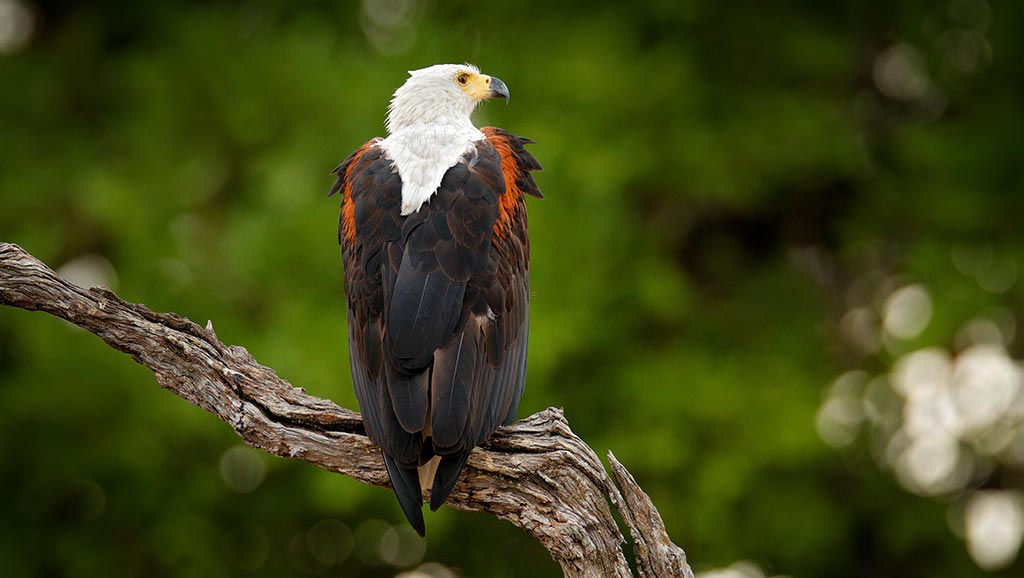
(738, 198)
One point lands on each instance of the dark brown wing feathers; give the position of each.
(438, 306)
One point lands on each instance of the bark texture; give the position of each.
(536, 474)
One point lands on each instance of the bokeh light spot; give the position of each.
(367, 541)
(921, 373)
(387, 24)
(907, 312)
(975, 14)
(329, 541)
(242, 468)
(967, 51)
(900, 73)
(1000, 277)
(838, 419)
(89, 270)
(986, 381)
(994, 527)
(973, 260)
(401, 547)
(429, 570)
(741, 569)
(930, 466)
(86, 500)
(860, 328)
(17, 22)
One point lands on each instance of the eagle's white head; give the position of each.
(441, 94)
(429, 128)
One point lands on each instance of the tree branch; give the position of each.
(536, 474)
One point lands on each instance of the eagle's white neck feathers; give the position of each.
(429, 130)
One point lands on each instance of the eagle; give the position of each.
(434, 246)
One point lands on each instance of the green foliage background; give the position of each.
(694, 152)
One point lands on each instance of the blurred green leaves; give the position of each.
(724, 185)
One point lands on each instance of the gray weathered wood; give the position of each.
(655, 553)
(536, 474)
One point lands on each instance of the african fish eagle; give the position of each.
(434, 244)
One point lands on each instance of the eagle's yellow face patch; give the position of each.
(476, 85)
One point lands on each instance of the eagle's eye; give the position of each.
(462, 78)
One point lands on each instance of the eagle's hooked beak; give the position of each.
(498, 89)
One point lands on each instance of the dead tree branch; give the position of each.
(536, 474)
